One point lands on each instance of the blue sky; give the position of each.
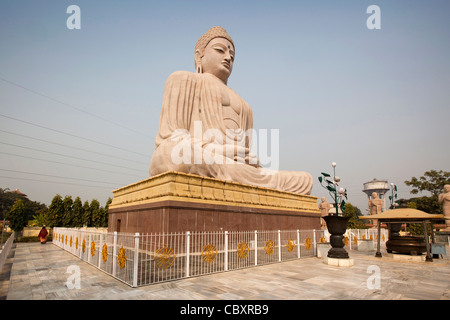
(81, 108)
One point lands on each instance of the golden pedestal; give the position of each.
(177, 202)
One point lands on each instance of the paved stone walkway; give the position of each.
(34, 272)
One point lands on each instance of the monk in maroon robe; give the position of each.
(43, 235)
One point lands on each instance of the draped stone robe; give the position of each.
(193, 135)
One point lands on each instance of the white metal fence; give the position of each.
(353, 237)
(139, 260)
(142, 259)
(5, 250)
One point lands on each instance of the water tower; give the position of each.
(378, 186)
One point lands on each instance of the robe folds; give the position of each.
(43, 235)
(193, 138)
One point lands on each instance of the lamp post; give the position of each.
(332, 187)
(393, 196)
(394, 228)
(337, 225)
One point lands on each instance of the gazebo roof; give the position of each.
(404, 214)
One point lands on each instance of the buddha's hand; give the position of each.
(252, 160)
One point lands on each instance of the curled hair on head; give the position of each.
(212, 33)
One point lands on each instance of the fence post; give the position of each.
(88, 249)
(84, 239)
(114, 254)
(226, 251)
(315, 243)
(188, 243)
(256, 247)
(136, 259)
(298, 243)
(279, 245)
(100, 249)
(348, 234)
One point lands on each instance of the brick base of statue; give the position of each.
(178, 202)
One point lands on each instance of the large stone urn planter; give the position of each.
(337, 226)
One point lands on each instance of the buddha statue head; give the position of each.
(214, 53)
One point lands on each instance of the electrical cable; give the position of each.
(72, 157)
(69, 164)
(61, 177)
(71, 106)
(57, 182)
(72, 147)
(72, 135)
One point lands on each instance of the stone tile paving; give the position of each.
(40, 272)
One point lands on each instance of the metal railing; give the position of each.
(356, 236)
(5, 250)
(143, 259)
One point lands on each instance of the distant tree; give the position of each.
(56, 211)
(77, 210)
(32, 207)
(68, 212)
(41, 218)
(105, 214)
(87, 216)
(96, 213)
(17, 216)
(7, 199)
(426, 204)
(354, 213)
(432, 181)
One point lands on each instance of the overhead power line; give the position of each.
(72, 106)
(61, 177)
(69, 164)
(72, 147)
(57, 182)
(73, 135)
(72, 157)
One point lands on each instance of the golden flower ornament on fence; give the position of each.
(164, 258)
(209, 253)
(290, 245)
(269, 247)
(345, 240)
(105, 252)
(308, 243)
(93, 248)
(242, 250)
(122, 257)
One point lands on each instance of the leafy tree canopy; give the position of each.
(17, 216)
(354, 212)
(432, 181)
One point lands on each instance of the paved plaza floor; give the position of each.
(40, 272)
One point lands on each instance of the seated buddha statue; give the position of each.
(205, 127)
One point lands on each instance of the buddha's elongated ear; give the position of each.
(198, 61)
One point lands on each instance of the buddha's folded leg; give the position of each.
(219, 167)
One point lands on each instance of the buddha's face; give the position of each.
(218, 58)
